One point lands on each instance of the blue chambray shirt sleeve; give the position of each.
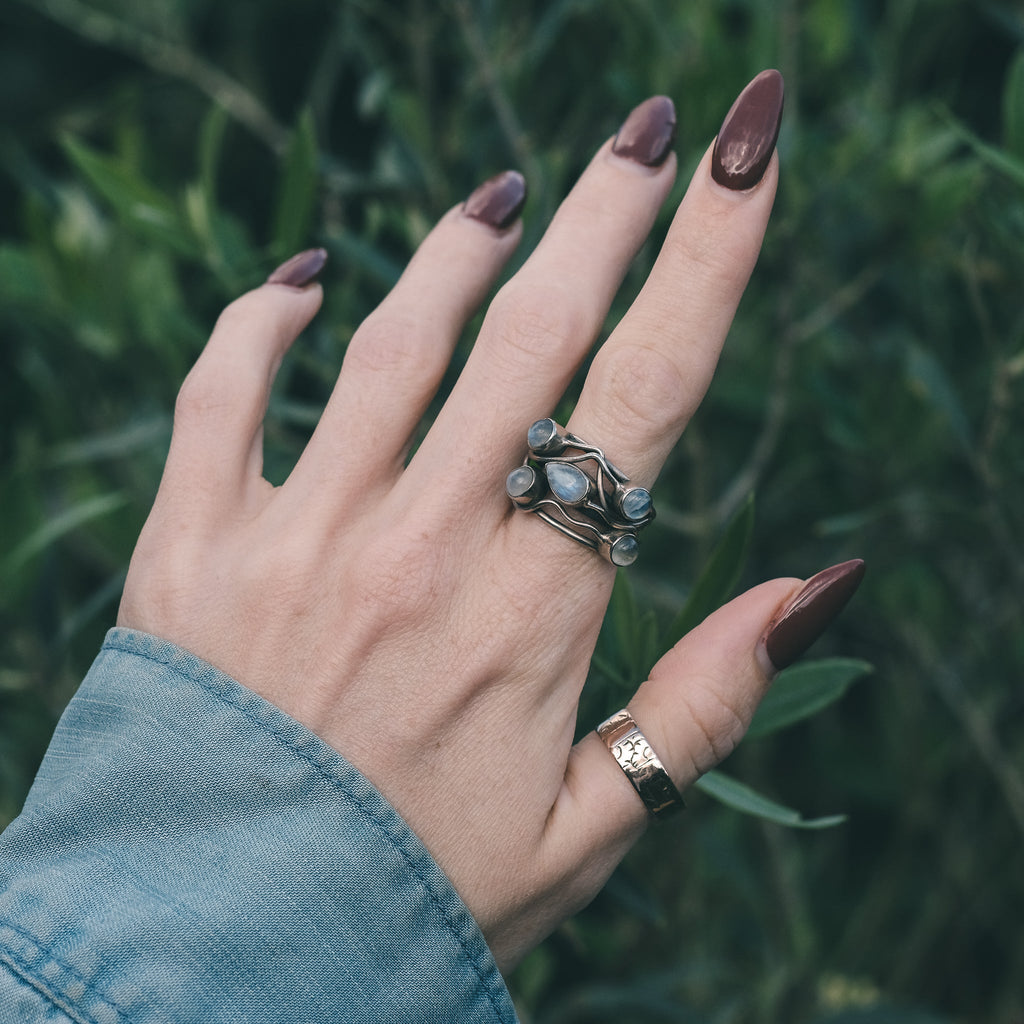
(188, 852)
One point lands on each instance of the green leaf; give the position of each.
(621, 616)
(211, 145)
(145, 208)
(998, 159)
(125, 439)
(297, 193)
(628, 644)
(880, 1015)
(804, 690)
(20, 278)
(719, 578)
(927, 377)
(62, 524)
(740, 797)
(1013, 107)
(227, 250)
(380, 267)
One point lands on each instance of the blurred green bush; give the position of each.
(159, 156)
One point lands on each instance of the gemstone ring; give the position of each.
(575, 488)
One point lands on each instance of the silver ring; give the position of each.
(598, 509)
(635, 756)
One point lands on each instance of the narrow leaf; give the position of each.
(998, 159)
(1013, 108)
(741, 797)
(719, 578)
(62, 524)
(620, 619)
(927, 376)
(627, 645)
(880, 1015)
(114, 444)
(297, 193)
(144, 207)
(20, 277)
(804, 690)
(211, 145)
(380, 267)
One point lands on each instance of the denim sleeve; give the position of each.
(188, 852)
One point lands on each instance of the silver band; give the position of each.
(597, 508)
(641, 764)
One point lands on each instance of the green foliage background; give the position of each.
(159, 156)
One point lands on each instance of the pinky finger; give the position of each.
(216, 446)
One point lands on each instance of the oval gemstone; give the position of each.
(568, 483)
(520, 482)
(636, 504)
(541, 434)
(624, 551)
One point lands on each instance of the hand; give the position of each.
(435, 636)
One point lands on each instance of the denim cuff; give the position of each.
(189, 852)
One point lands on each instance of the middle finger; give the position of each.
(543, 321)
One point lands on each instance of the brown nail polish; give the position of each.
(498, 201)
(807, 616)
(749, 132)
(301, 269)
(646, 136)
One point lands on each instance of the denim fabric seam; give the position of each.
(24, 972)
(381, 826)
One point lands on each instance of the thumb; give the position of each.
(694, 709)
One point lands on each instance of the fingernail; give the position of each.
(808, 615)
(301, 269)
(646, 136)
(749, 132)
(498, 201)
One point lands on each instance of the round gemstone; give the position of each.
(520, 482)
(636, 504)
(624, 550)
(541, 435)
(567, 483)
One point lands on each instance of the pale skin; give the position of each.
(402, 610)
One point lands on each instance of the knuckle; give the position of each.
(236, 315)
(200, 396)
(705, 254)
(391, 344)
(640, 384)
(539, 319)
(254, 320)
(718, 725)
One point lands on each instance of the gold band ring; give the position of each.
(637, 759)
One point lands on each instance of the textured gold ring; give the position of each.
(636, 757)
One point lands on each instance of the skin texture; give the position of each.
(408, 629)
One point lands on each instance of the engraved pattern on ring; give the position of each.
(638, 761)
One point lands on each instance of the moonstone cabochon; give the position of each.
(568, 483)
(636, 504)
(520, 481)
(541, 434)
(624, 551)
